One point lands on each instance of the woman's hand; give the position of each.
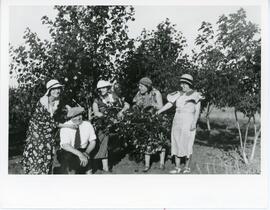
(120, 115)
(193, 126)
(99, 114)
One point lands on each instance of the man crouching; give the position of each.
(76, 144)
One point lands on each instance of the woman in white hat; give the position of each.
(106, 99)
(40, 142)
(183, 132)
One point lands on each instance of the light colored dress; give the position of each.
(182, 138)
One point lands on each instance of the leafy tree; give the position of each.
(87, 43)
(230, 63)
(209, 76)
(160, 56)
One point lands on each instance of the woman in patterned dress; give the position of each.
(40, 142)
(146, 97)
(186, 116)
(105, 100)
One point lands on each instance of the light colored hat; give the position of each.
(103, 83)
(146, 81)
(52, 84)
(74, 111)
(186, 78)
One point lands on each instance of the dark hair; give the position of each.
(49, 93)
(190, 85)
(108, 89)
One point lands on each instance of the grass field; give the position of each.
(214, 152)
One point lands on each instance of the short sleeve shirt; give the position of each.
(87, 133)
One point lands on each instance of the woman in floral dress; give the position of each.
(40, 142)
(102, 103)
(149, 97)
(183, 132)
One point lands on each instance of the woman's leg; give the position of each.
(187, 165)
(147, 160)
(177, 161)
(162, 158)
(105, 165)
(177, 169)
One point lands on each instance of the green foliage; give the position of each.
(160, 56)
(229, 63)
(144, 131)
(87, 43)
(90, 42)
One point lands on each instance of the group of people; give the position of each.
(80, 142)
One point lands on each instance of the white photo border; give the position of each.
(133, 191)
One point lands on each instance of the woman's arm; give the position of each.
(159, 103)
(96, 111)
(126, 107)
(164, 108)
(196, 116)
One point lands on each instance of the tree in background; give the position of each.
(87, 43)
(240, 41)
(229, 69)
(209, 75)
(160, 56)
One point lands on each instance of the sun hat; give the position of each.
(186, 78)
(52, 84)
(75, 111)
(103, 83)
(146, 81)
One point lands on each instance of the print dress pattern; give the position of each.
(38, 152)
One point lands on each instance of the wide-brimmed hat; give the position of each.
(146, 81)
(75, 111)
(186, 78)
(103, 83)
(52, 84)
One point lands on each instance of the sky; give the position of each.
(187, 19)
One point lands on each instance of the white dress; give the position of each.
(182, 138)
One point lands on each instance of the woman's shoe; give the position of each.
(186, 170)
(90, 171)
(147, 168)
(175, 171)
(162, 167)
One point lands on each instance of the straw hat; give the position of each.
(103, 83)
(186, 78)
(52, 84)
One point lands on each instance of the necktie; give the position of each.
(77, 143)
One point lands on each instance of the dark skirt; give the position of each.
(101, 149)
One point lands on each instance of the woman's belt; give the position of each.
(181, 111)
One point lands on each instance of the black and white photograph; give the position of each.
(114, 90)
(101, 90)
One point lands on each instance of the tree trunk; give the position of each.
(255, 140)
(239, 129)
(244, 155)
(245, 143)
(246, 133)
(207, 116)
